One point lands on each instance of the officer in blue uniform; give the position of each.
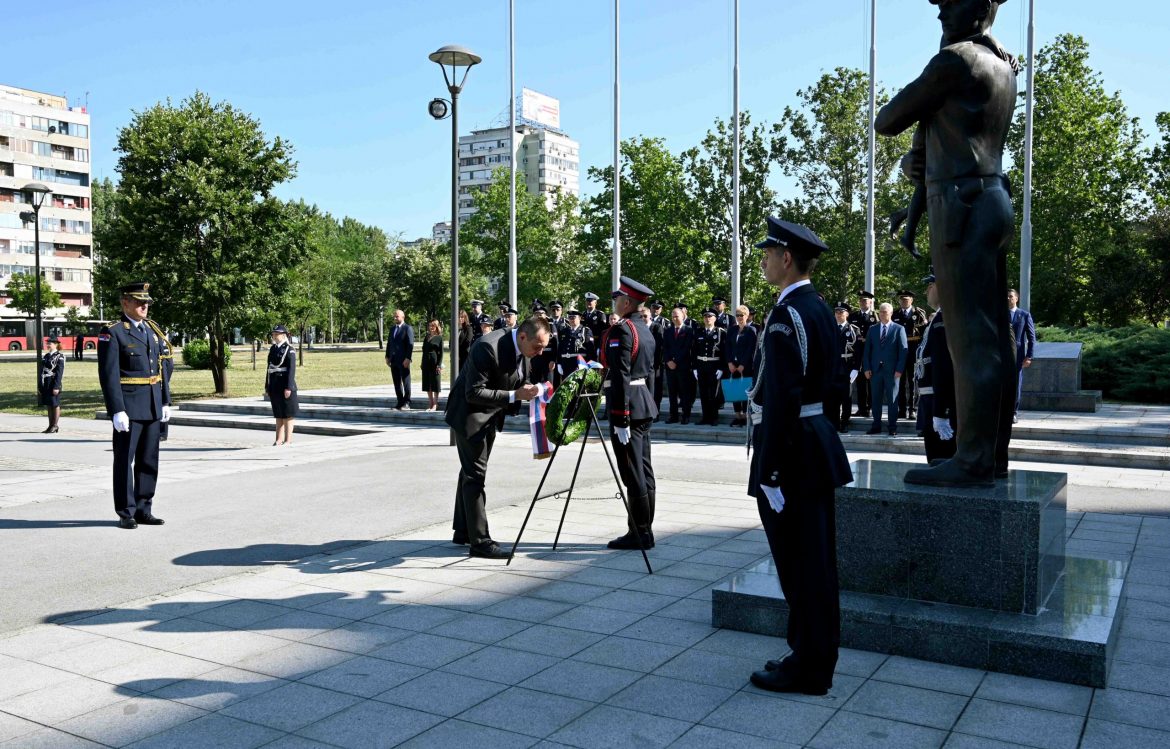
(798, 460)
(710, 361)
(839, 405)
(501, 322)
(134, 366)
(557, 319)
(934, 374)
(594, 319)
(722, 319)
(627, 353)
(658, 325)
(478, 319)
(52, 375)
(280, 383)
(576, 341)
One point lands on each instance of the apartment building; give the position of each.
(43, 139)
(547, 160)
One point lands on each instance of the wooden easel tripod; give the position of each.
(583, 400)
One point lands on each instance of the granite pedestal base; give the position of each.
(1053, 382)
(970, 577)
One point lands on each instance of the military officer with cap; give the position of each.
(577, 341)
(913, 319)
(557, 320)
(134, 371)
(839, 402)
(722, 319)
(798, 460)
(658, 325)
(710, 360)
(934, 375)
(52, 375)
(280, 383)
(594, 319)
(478, 319)
(862, 318)
(501, 322)
(627, 353)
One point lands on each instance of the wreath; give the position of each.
(565, 425)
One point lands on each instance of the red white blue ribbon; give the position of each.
(537, 418)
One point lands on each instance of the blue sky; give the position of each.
(348, 83)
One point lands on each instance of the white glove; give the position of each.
(942, 428)
(560, 370)
(718, 374)
(853, 377)
(695, 372)
(775, 497)
(166, 414)
(623, 434)
(121, 422)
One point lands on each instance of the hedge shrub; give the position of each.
(1126, 364)
(197, 354)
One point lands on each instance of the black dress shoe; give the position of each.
(460, 539)
(127, 523)
(630, 541)
(779, 680)
(672, 420)
(487, 550)
(875, 430)
(150, 520)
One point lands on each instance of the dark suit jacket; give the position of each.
(890, 354)
(1024, 330)
(479, 398)
(676, 347)
(401, 345)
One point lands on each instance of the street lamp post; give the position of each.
(456, 57)
(36, 194)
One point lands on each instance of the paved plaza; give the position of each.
(310, 597)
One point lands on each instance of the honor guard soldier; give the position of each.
(658, 324)
(134, 370)
(797, 459)
(501, 322)
(627, 353)
(934, 375)
(913, 319)
(839, 403)
(52, 375)
(723, 320)
(477, 318)
(710, 361)
(677, 357)
(280, 383)
(577, 341)
(862, 317)
(557, 320)
(594, 319)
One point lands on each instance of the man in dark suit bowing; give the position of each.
(798, 461)
(490, 386)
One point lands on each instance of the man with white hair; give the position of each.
(883, 362)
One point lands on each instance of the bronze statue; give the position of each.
(962, 104)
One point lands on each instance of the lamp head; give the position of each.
(37, 194)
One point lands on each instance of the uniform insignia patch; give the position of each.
(103, 337)
(779, 327)
(614, 343)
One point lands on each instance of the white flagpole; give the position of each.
(617, 148)
(735, 244)
(512, 293)
(1026, 229)
(870, 270)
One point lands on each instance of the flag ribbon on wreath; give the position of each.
(536, 420)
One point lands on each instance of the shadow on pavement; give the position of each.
(262, 554)
(23, 525)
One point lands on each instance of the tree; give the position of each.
(105, 286)
(1159, 163)
(824, 144)
(22, 293)
(1088, 174)
(664, 243)
(709, 171)
(419, 280)
(195, 215)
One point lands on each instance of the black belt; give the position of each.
(987, 182)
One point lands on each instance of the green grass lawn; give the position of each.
(81, 394)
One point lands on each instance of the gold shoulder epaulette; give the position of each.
(126, 325)
(112, 325)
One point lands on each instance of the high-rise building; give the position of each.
(548, 160)
(441, 232)
(43, 139)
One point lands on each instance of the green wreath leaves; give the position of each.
(562, 430)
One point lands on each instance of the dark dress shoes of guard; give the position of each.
(487, 550)
(127, 523)
(776, 678)
(631, 541)
(150, 520)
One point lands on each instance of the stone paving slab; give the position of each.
(408, 642)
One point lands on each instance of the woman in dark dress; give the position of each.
(432, 362)
(281, 384)
(466, 336)
(52, 373)
(743, 339)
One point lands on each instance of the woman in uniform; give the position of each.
(281, 384)
(432, 362)
(52, 373)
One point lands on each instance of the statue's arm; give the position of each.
(922, 96)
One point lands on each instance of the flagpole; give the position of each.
(512, 292)
(1026, 229)
(870, 270)
(735, 243)
(617, 156)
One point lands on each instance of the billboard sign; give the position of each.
(539, 108)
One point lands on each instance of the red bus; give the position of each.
(20, 335)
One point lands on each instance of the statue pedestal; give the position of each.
(971, 577)
(1053, 382)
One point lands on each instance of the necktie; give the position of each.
(883, 333)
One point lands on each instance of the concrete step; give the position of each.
(354, 419)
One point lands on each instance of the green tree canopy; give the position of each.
(22, 293)
(194, 214)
